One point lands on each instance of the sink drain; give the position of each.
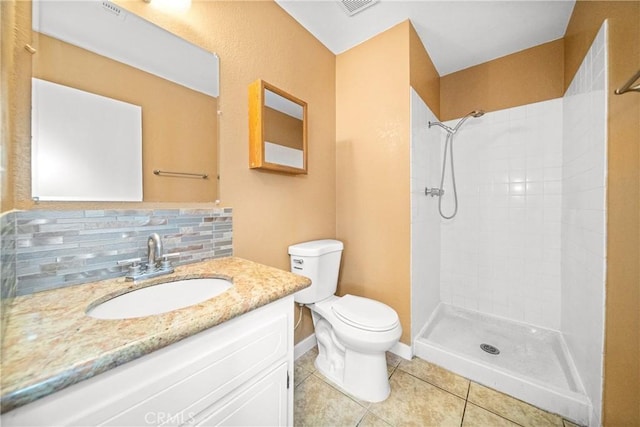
(490, 349)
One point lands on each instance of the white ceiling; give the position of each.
(457, 34)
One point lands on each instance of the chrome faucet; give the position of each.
(154, 251)
(157, 262)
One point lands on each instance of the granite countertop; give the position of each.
(50, 342)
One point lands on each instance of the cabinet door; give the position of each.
(261, 403)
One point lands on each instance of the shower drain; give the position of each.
(489, 349)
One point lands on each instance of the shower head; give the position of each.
(474, 113)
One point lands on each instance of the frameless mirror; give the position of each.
(78, 154)
(140, 108)
(277, 130)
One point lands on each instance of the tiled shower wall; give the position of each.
(425, 223)
(62, 248)
(501, 254)
(584, 218)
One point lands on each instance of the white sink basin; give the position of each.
(160, 298)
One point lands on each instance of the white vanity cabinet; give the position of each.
(237, 373)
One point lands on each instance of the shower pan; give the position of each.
(530, 363)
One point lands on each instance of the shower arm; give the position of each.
(464, 119)
(443, 126)
(451, 131)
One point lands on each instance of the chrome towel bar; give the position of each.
(627, 86)
(199, 175)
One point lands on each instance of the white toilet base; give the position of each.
(366, 376)
(363, 375)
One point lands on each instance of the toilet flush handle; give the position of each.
(298, 263)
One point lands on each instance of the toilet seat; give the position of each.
(365, 313)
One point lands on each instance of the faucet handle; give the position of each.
(134, 265)
(166, 263)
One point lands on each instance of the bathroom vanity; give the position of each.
(228, 360)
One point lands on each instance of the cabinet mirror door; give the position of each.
(277, 130)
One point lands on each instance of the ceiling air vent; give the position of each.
(351, 7)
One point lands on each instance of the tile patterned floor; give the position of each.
(422, 394)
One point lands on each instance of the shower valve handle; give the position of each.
(433, 192)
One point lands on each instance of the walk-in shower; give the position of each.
(522, 267)
(488, 288)
(448, 146)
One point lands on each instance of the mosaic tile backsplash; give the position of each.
(54, 249)
(7, 264)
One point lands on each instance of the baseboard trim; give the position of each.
(303, 346)
(402, 350)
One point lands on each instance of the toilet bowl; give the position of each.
(353, 332)
(353, 354)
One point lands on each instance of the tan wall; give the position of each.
(423, 74)
(372, 149)
(525, 77)
(179, 125)
(622, 336)
(254, 40)
(7, 17)
(258, 40)
(15, 99)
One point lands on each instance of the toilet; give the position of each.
(353, 333)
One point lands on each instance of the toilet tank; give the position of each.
(319, 260)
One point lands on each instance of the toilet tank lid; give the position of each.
(316, 247)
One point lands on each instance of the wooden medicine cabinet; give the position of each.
(277, 130)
